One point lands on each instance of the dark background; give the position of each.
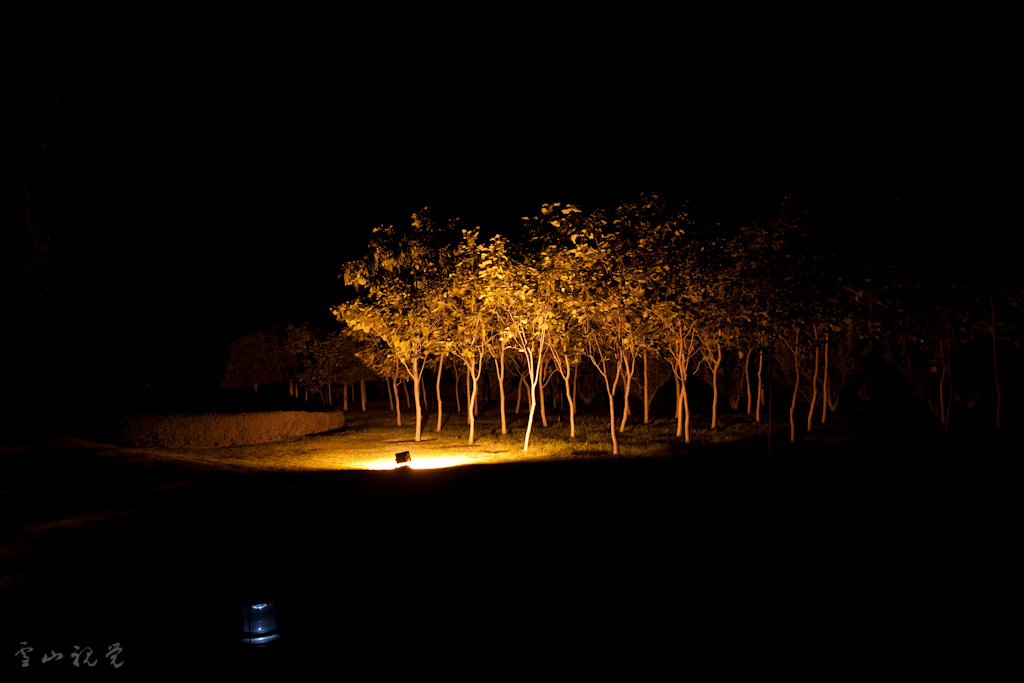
(145, 228)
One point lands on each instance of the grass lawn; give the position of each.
(371, 439)
(485, 561)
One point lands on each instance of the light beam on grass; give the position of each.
(418, 462)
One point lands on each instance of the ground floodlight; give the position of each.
(403, 457)
(259, 623)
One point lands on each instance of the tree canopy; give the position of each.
(647, 280)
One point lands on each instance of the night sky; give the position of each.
(178, 220)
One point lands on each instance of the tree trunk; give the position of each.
(949, 364)
(575, 382)
(472, 401)
(572, 406)
(814, 380)
(824, 383)
(519, 392)
(611, 398)
(611, 410)
(942, 404)
(682, 402)
(647, 395)
(771, 357)
(746, 377)
(995, 365)
(398, 403)
(679, 408)
(629, 369)
(543, 412)
(796, 385)
(440, 364)
(714, 381)
(423, 390)
(458, 401)
(470, 407)
(499, 368)
(685, 414)
(534, 378)
(760, 395)
(417, 376)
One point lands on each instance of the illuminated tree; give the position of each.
(785, 300)
(606, 305)
(404, 282)
(644, 226)
(326, 360)
(676, 302)
(469, 303)
(518, 299)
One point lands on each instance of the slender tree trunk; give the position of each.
(458, 401)
(576, 385)
(647, 395)
(473, 395)
(391, 402)
(470, 408)
(814, 380)
(949, 364)
(796, 385)
(682, 404)
(680, 369)
(683, 423)
(610, 388)
(760, 394)
(500, 369)
(628, 370)
(417, 376)
(405, 389)
(440, 365)
(995, 365)
(398, 403)
(534, 379)
(575, 382)
(771, 357)
(423, 390)
(519, 392)
(824, 383)
(344, 397)
(944, 406)
(543, 413)
(679, 408)
(568, 396)
(611, 409)
(714, 381)
(746, 377)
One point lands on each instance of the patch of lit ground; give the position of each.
(371, 439)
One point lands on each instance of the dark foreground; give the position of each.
(638, 569)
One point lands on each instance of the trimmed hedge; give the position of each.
(214, 430)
